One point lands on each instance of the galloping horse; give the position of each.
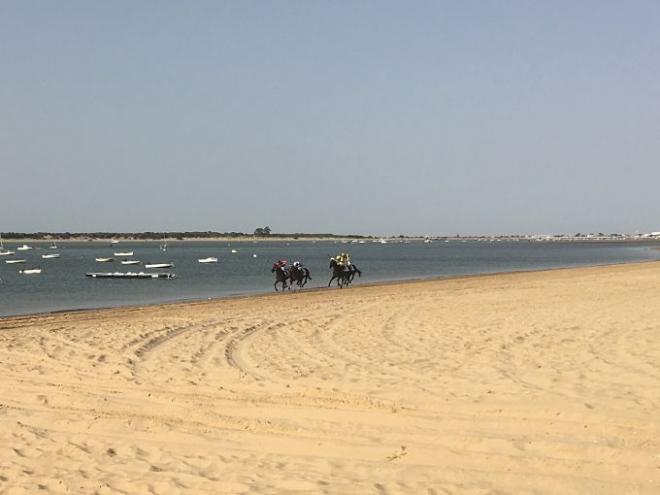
(343, 274)
(299, 275)
(281, 276)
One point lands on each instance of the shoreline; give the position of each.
(315, 290)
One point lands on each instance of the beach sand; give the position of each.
(544, 383)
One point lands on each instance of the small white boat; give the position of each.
(210, 259)
(114, 241)
(125, 253)
(53, 246)
(130, 262)
(104, 260)
(234, 251)
(9, 262)
(159, 265)
(30, 271)
(24, 247)
(50, 256)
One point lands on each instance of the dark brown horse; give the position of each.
(281, 276)
(343, 274)
(299, 276)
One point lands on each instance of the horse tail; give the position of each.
(307, 274)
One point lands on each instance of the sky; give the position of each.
(366, 117)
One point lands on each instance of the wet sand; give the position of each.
(545, 382)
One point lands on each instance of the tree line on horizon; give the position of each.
(178, 235)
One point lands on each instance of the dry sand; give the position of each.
(544, 382)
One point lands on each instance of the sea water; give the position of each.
(62, 285)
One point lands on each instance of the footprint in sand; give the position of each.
(398, 454)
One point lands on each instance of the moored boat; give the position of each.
(104, 260)
(50, 256)
(125, 253)
(30, 271)
(210, 259)
(24, 247)
(9, 262)
(158, 265)
(130, 262)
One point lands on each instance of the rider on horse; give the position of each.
(343, 259)
(281, 273)
(343, 270)
(281, 264)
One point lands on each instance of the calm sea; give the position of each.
(62, 284)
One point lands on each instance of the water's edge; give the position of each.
(261, 294)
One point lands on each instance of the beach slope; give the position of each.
(538, 383)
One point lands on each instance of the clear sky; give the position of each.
(368, 117)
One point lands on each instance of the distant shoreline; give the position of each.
(342, 239)
(177, 240)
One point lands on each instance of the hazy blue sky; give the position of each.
(348, 117)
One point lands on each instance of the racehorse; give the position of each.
(281, 276)
(299, 275)
(343, 274)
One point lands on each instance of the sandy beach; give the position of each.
(527, 383)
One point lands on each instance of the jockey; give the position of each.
(280, 264)
(343, 259)
(297, 264)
